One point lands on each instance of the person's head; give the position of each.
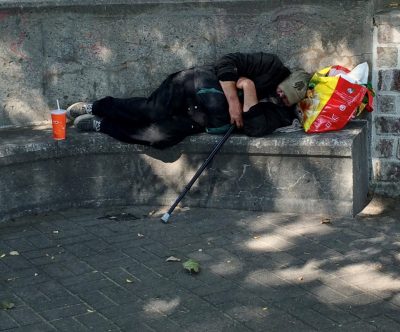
(293, 88)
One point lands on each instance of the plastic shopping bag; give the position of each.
(335, 95)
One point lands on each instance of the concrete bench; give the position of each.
(285, 172)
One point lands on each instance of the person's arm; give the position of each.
(228, 69)
(266, 70)
(235, 107)
(262, 66)
(249, 91)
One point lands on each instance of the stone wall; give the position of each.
(72, 50)
(86, 49)
(386, 119)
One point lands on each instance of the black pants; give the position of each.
(161, 120)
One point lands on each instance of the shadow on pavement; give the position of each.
(106, 269)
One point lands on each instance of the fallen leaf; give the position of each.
(173, 259)
(265, 308)
(200, 250)
(129, 281)
(55, 232)
(256, 237)
(186, 208)
(191, 266)
(2, 255)
(6, 305)
(89, 310)
(301, 278)
(326, 221)
(14, 253)
(140, 235)
(151, 213)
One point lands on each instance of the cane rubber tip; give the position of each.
(165, 217)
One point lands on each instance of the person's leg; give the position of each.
(137, 110)
(167, 100)
(216, 107)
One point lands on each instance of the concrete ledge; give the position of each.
(391, 17)
(296, 172)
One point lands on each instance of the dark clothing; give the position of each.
(161, 120)
(263, 118)
(264, 69)
(191, 100)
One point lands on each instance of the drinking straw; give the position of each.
(58, 104)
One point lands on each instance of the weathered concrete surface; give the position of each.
(73, 50)
(106, 270)
(292, 172)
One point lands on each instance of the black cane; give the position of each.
(166, 216)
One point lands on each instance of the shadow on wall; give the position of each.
(21, 94)
(91, 169)
(125, 51)
(122, 52)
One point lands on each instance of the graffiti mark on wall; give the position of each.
(4, 15)
(17, 45)
(99, 50)
(17, 33)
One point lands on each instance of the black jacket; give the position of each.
(265, 70)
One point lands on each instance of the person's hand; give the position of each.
(235, 107)
(236, 114)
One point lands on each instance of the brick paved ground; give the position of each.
(82, 270)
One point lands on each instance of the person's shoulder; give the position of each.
(265, 56)
(265, 53)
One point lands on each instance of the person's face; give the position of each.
(282, 97)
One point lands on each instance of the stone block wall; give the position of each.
(386, 118)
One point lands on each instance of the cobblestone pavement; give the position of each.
(106, 270)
